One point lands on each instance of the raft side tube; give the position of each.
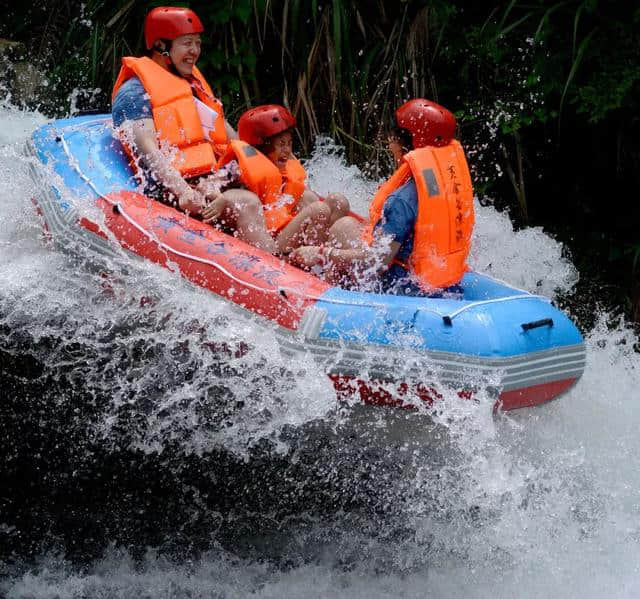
(483, 328)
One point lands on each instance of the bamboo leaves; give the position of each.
(574, 67)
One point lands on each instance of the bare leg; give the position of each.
(242, 211)
(308, 197)
(346, 233)
(337, 202)
(308, 227)
(339, 206)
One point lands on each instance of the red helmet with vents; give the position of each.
(170, 22)
(429, 123)
(258, 124)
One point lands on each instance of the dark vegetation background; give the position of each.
(547, 93)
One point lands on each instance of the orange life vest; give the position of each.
(263, 177)
(175, 115)
(294, 177)
(445, 218)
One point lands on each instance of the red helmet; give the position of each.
(170, 22)
(258, 124)
(429, 123)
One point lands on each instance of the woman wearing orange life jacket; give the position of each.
(294, 214)
(420, 220)
(270, 129)
(157, 105)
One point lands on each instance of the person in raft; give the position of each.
(269, 128)
(174, 131)
(420, 220)
(293, 214)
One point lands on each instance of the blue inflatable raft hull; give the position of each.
(389, 349)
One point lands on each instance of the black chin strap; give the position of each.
(166, 56)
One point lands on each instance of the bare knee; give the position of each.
(339, 205)
(346, 224)
(346, 232)
(242, 197)
(317, 212)
(246, 204)
(308, 197)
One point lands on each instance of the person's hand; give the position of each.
(214, 210)
(191, 201)
(209, 187)
(307, 256)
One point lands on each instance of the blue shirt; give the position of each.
(131, 103)
(398, 221)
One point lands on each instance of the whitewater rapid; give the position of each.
(535, 503)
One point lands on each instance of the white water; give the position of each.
(538, 503)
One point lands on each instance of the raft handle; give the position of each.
(527, 326)
(447, 320)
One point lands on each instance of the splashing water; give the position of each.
(164, 447)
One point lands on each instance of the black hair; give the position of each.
(403, 136)
(165, 52)
(150, 51)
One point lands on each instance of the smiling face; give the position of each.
(280, 148)
(185, 51)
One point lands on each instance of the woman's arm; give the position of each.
(144, 138)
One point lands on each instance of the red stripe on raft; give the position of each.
(533, 396)
(91, 226)
(256, 277)
(402, 395)
(383, 393)
(46, 232)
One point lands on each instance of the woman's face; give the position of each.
(280, 148)
(184, 53)
(394, 146)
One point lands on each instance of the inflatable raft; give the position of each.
(388, 349)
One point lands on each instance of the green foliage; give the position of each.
(505, 67)
(615, 81)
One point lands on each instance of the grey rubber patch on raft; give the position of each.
(430, 179)
(250, 151)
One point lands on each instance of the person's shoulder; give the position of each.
(409, 189)
(131, 102)
(407, 193)
(131, 86)
(400, 209)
